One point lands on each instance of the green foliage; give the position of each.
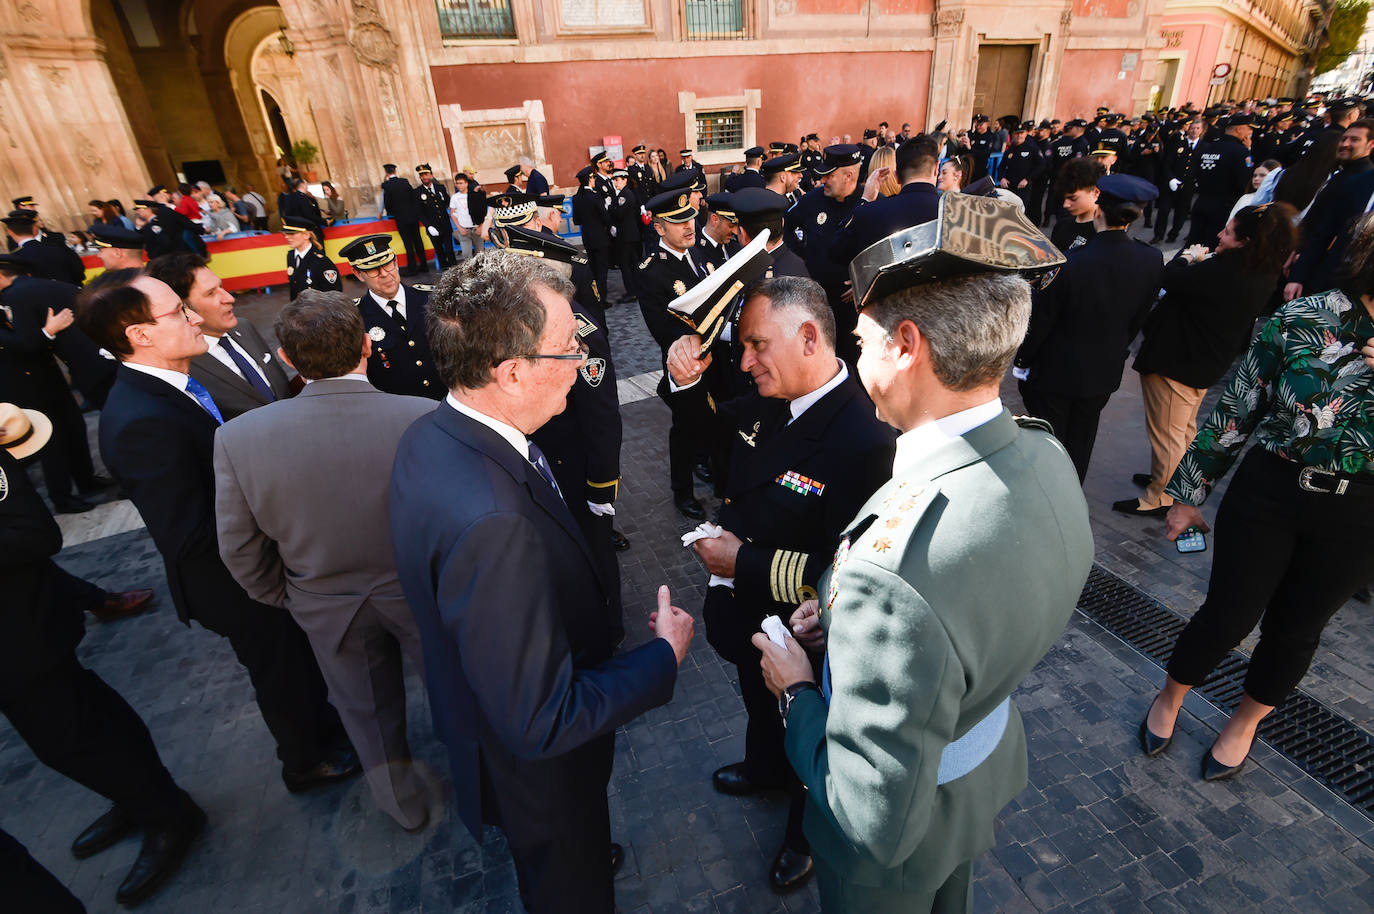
(305, 152)
(1347, 25)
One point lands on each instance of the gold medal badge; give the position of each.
(679, 287)
(820, 218)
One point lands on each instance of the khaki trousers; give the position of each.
(1170, 423)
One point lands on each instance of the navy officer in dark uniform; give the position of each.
(307, 267)
(432, 198)
(782, 174)
(394, 314)
(807, 452)
(1223, 174)
(666, 273)
(812, 225)
(1084, 319)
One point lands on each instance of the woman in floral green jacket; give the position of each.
(1301, 496)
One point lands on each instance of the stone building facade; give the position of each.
(105, 97)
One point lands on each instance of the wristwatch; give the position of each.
(789, 693)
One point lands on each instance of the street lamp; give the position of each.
(287, 46)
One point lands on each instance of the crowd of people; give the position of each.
(832, 367)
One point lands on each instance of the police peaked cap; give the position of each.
(1127, 188)
(673, 206)
(838, 156)
(116, 236)
(536, 244)
(368, 252)
(790, 162)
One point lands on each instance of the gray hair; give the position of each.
(974, 324)
(526, 160)
(487, 311)
(794, 300)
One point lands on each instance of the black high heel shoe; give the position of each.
(1150, 744)
(1212, 770)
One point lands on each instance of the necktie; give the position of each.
(250, 374)
(396, 315)
(197, 390)
(541, 464)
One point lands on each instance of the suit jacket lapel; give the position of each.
(212, 366)
(478, 436)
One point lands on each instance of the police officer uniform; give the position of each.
(693, 166)
(663, 276)
(398, 199)
(433, 202)
(980, 146)
(638, 174)
(592, 211)
(1181, 165)
(750, 177)
(626, 223)
(1061, 150)
(709, 254)
(1023, 162)
(811, 228)
(401, 362)
(1111, 137)
(46, 261)
(1223, 174)
(164, 232)
(786, 162)
(311, 270)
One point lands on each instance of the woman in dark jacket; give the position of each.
(1204, 320)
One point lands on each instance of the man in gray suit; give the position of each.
(238, 367)
(291, 538)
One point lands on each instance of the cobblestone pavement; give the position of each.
(1100, 828)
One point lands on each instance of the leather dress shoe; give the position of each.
(1212, 770)
(122, 605)
(690, 507)
(789, 871)
(96, 483)
(1132, 506)
(70, 504)
(1142, 479)
(162, 852)
(102, 833)
(731, 779)
(1150, 744)
(620, 541)
(337, 765)
(703, 472)
(617, 857)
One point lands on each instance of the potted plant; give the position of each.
(305, 153)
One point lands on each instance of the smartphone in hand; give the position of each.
(1192, 540)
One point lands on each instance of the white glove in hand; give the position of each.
(433, 232)
(1021, 374)
(1175, 184)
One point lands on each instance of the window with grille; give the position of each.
(708, 20)
(469, 19)
(720, 129)
(604, 13)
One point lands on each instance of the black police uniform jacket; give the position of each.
(750, 177)
(433, 204)
(870, 223)
(1113, 138)
(1223, 174)
(297, 205)
(792, 490)
(810, 229)
(592, 211)
(1082, 323)
(401, 362)
(163, 233)
(51, 261)
(26, 353)
(662, 278)
(582, 443)
(314, 271)
(398, 199)
(1023, 162)
(708, 255)
(1064, 149)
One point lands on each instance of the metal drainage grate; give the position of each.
(1321, 742)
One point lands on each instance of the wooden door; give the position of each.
(1003, 72)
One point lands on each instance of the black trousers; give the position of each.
(1074, 420)
(443, 248)
(1209, 218)
(599, 259)
(689, 436)
(1177, 202)
(30, 887)
(290, 691)
(81, 728)
(66, 460)
(416, 260)
(627, 253)
(1284, 558)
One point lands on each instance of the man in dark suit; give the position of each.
(399, 202)
(395, 317)
(1326, 228)
(807, 452)
(301, 205)
(75, 723)
(526, 699)
(156, 435)
(35, 316)
(47, 261)
(918, 164)
(1083, 322)
(238, 367)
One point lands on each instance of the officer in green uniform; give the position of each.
(948, 586)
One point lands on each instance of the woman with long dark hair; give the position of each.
(1205, 319)
(1293, 529)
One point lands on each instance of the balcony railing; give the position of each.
(466, 20)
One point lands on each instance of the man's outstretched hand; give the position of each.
(672, 624)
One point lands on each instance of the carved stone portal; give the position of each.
(946, 22)
(374, 45)
(496, 145)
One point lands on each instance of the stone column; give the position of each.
(949, 98)
(67, 138)
(370, 92)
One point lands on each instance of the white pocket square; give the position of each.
(266, 357)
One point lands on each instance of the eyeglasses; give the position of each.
(578, 355)
(181, 309)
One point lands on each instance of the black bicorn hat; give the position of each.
(536, 244)
(971, 234)
(708, 306)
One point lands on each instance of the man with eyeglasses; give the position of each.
(513, 611)
(156, 436)
(401, 362)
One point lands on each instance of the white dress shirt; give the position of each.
(400, 300)
(351, 376)
(915, 445)
(223, 358)
(683, 255)
(177, 379)
(806, 401)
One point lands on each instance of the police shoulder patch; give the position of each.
(647, 260)
(585, 327)
(593, 370)
(422, 287)
(4, 485)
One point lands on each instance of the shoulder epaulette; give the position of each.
(422, 287)
(1035, 423)
(357, 301)
(585, 327)
(647, 260)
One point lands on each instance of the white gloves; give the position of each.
(433, 232)
(1021, 374)
(1175, 184)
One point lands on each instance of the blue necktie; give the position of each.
(541, 464)
(250, 373)
(197, 390)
